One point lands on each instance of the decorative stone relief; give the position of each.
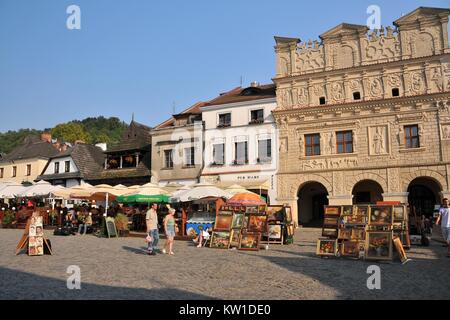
(283, 145)
(416, 83)
(394, 81)
(393, 180)
(378, 140)
(355, 85)
(326, 164)
(310, 56)
(303, 96)
(375, 87)
(337, 92)
(326, 143)
(445, 128)
(382, 45)
(437, 79)
(338, 183)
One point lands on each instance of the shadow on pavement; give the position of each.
(22, 285)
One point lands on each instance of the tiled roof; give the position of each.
(89, 160)
(244, 94)
(194, 109)
(32, 148)
(136, 137)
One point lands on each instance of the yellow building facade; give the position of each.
(364, 116)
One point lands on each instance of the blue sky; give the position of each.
(146, 56)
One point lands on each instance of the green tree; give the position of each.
(71, 132)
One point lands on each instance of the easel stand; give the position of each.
(25, 241)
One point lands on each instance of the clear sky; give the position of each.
(144, 56)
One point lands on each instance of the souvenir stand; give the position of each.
(280, 228)
(364, 231)
(201, 212)
(240, 223)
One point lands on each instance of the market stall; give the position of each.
(240, 223)
(365, 231)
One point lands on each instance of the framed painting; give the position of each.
(347, 210)
(251, 209)
(355, 219)
(399, 213)
(358, 234)
(327, 247)
(234, 238)
(382, 227)
(262, 209)
(362, 211)
(220, 239)
(350, 249)
(238, 221)
(327, 232)
(379, 245)
(223, 222)
(249, 241)
(344, 234)
(287, 214)
(275, 213)
(245, 222)
(226, 212)
(332, 211)
(257, 223)
(330, 221)
(380, 215)
(275, 232)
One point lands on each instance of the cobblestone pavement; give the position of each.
(118, 269)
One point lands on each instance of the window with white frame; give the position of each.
(264, 150)
(168, 159)
(240, 151)
(189, 157)
(219, 154)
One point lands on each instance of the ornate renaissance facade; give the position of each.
(364, 116)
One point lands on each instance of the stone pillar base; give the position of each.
(402, 197)
(343, 200)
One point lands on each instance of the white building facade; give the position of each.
(240, 140)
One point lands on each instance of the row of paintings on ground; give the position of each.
(247, 227)
(364, 231)
(377, 246)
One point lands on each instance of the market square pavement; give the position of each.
(118, 269)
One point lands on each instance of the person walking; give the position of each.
(151, 219)
(169, 229)
(444, 220)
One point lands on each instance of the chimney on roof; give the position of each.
(254, 84)
(46, 136)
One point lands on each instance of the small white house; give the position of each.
(74, 167)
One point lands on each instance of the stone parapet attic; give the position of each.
(363, 115)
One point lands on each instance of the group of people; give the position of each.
(151, 219)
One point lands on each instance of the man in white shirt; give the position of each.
(151, 219)
(444, 221)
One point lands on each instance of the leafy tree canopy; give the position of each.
(90, 130)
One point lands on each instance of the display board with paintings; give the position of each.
(369, 232)
(33, 238)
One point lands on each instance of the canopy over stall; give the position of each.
(151, 193)
(40, 189)
(11, 190)
(246, 199)
(198, 191)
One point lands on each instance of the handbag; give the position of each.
(148, 239)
